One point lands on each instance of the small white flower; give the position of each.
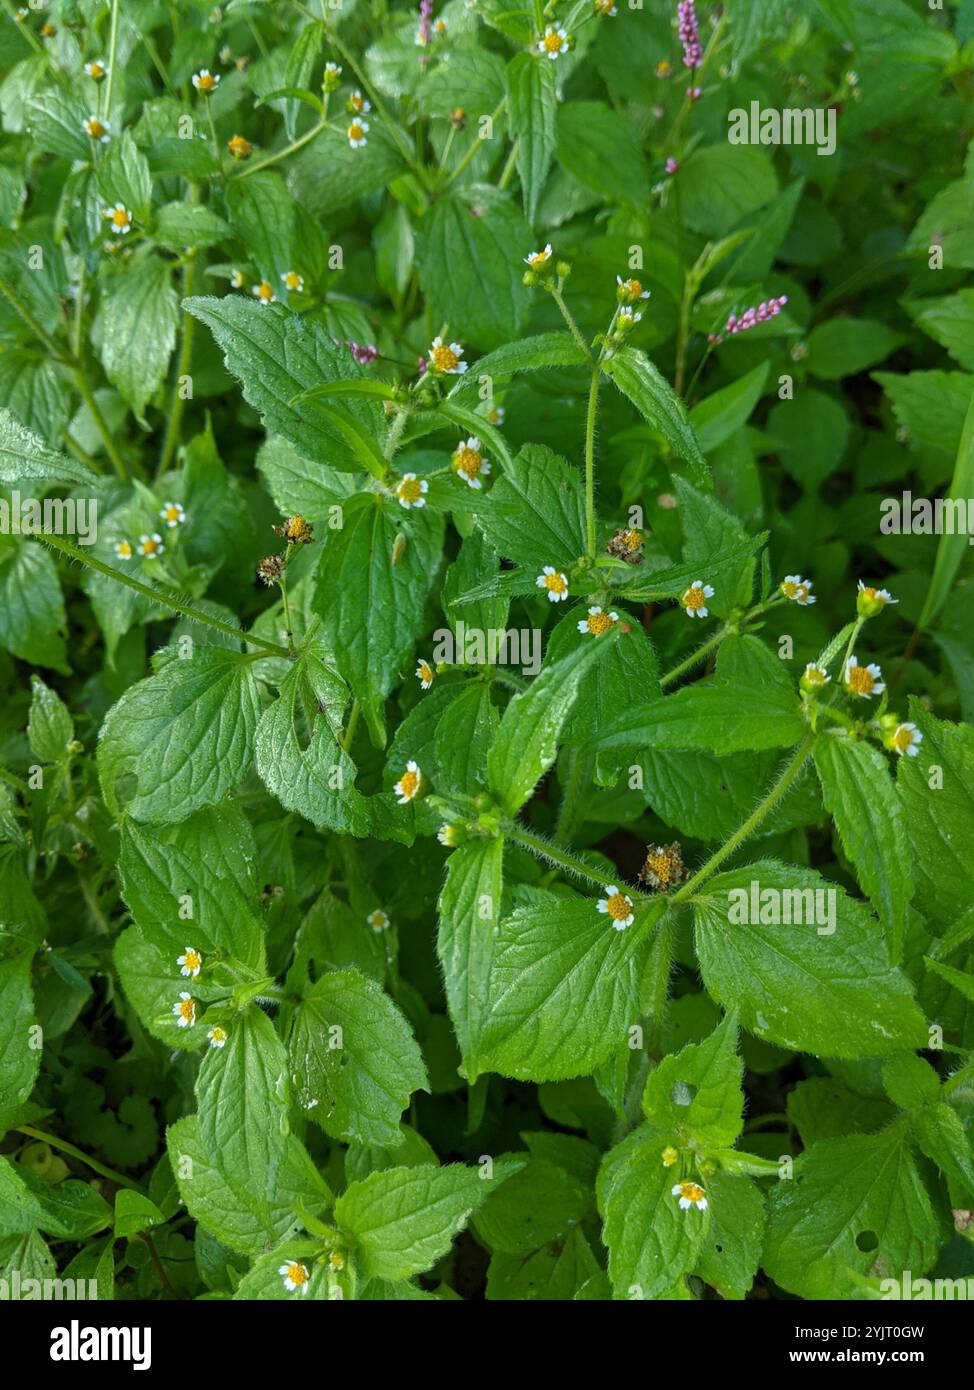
(407, 788)
(691, 1196)
(425, 673)
(553, 42)
(798, 590)
(218, 1036)
(537, 260)
(123, 549)
(172, 514)
(469, 462)
(205, 81)
(631, 289)
(815, 677)
(411, 491)
(618, 906)
(377, 920)
(906, 739)
(445, 358)
(357, 133)
(96, 70)
(555, 582)
(292, 281)
(597, 622)
(185, 1010)
(447, 835)
(693, 601)
(357, 104)
(862, 681)
(295, 1276)
(151, 547)
(264, 292)
(96, 129)
(120, 218)
(190, 962)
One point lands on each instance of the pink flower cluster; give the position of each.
(689, 34)
(767, 309)
(364, 353)
(425, 32)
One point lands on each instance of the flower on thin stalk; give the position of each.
(693, 600)
(411, 491)
(206, 82)
(555, 582)
(172, 514)
(96, 70)
(292, 281)
(469, 463)
(692, 1196)
(377, 920)
(120, 218)
(357, 134)
(618, 907)
(425, 673)
(797, 590)
(862, 681)
(905, 740)
(409, 784)
(184, 1010)
(190, 962)
(444, 359)
(689, 34)
(553, 42)
(758, 313)
(295, 1276)
(264, 292)
(870, 601)
(597, 622)
(239, 147)
(151, 547)
(96, 129)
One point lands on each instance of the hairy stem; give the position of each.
(590, 418)
(80, 1155)
(695, 656)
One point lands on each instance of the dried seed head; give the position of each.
(627, 545)
(270, 569)
(663, 868)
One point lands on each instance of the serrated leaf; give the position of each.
(654, 398)
(140, 319)
(469, 908)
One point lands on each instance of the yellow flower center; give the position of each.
(356, 103)
(556, 583)
(619, 906)
(297, 1274)
(265, 291)
(902, 738)
(552, 42)
(96, 70)
(425, 672)
(239, 147)
(218, 1035)
(467, 461)
(124, 549)
(694, 599)
(670, 1156)
(632, 540)
(193, 960)
(187, 1009)
(860, 680)
(292, 280)
(206, 82)
(692, 1191)
(95, 128)
(599, 623)
(444, 358)
(172, 514)
(150, 547)
(664, 68)
(409, 490)
(409, 783)
(355, 131)
(120, 217)
(537, 259)
(634, 288)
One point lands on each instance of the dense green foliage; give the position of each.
(487, 806)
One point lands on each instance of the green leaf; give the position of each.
(654, 398)
(24, 457)
(802, 986)
(721, 415)
(527, 740)
(355, 1059)
(532, 108)
(123, 176)
(949, 320)
(535, 513)
(537, 1205)
(50, 727)
(526, 355)
(697, 1092)
(731, 1250)
(371, 609)
(33, 622)
(710, 531)
(182, 738)
(181, 225)
(403, 1220)
(951, 549)
(20, 1051)
(725, 717)
(55, 120)
(263, 216)
(563, 989)
(941, 1135)
(652, 1242)
(721, 184)
(328, 174)
(276, 356)
(470, 265)
(464, 736)
(596, 145)
(134, 1213)
(939, 810)
(469, 909)
(868, 815)
(842, 347)
(855, 1205)
(141, 316)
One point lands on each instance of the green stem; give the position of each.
(661, 965)
(698, 655)
(112, 48)
(395, 434)
(82, 1157)
(351, 726)
(158, 595)
(281, 154)
(380, 109)
(749, 826)
(578, 773)
(573, 327)
(171, 440)
(101, 424)
(590, 418)
(508, 169)
(474, 146)
(563, 859)
(38, 330)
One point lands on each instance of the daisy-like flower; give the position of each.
(190, 962)
(425, 673)
(412, 491)
(240, 147)
(218, 1036)
(292, 281)
(626, 319)
(870, 601)
(336, 1260)
(664, 68)
(124, 550)
(205, 81)
(295, 1276)
(151, 547)
(377, 920)
(408, 786)
(598, 621)
(439, 28)
(185, 1010)
(553, 42)
(537, 260)
(630, 290)
(21, 15)
(905, 740)
(469, 463)
(445, 358)
(357, 104)
(669, 1156)
(264, 292)
(814, 677)
(172, 514)
(96, 129)
(496, 415)
(120, 218)
(691, 1195)
(357, 133)
(447, 835)
(862, 681)
(606, 8)
(47, 31)
(797, 590)
(333, 75)
(617, 906)
(555, 582)
(237, 279)
(693, 601)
